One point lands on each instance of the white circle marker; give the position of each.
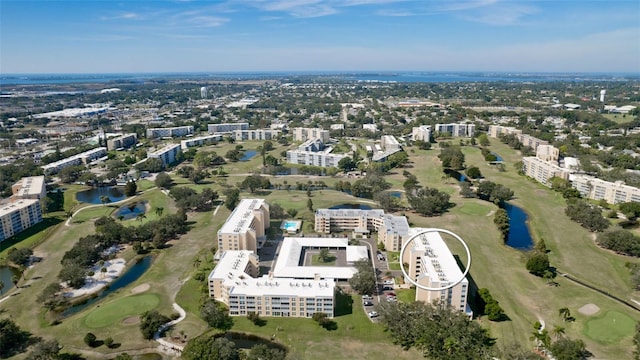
(430, 230)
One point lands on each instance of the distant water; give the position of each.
(428, 77)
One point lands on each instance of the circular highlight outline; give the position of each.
(429, 230)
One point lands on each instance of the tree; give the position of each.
(159, 211)
(541, 246)
(568, 349)
(323, 255)
(123, 356)
(108, 342)
(346, 164)
(631, 210)
(538, 263)
(130, 188)
(163, 180)
(428, 201)
(483, 140)
(45, 350)
(215, 314)
(557, 331)
(452, 158)
(292, 213)
(263, 352)
(15, 279)
(73, 274)
(90, 339)
(276, 211)
(323, 320)
(150, 323)
(490, 306)
(473, 172)
(19, 256)
(364, 280)
(255, 182)
(501, 219)
(232, 198)
(310, 204)
(565, 314)
(493, 192)
(387, 201)
(12, 339)
(105, 200)
(210, 347)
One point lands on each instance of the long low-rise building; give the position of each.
(122, 141)
(32, 187)
(259, 134)
(226, 127)
(79, 159)
(612, 192)
(245, 227)
(421, 133)
(456, 129)
(527, 140)
(542, 170)
(313, 158)
(19, 215)
(200, 141)
(234, 282)
(167, 154)
(176, 131)
(304, 134)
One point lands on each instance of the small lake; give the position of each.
(92, 196)
(127, 278)
(498, 157)
(248, 154)
(6, 274)
(131, 211)
(396, 194)
(351, 206)
(456, 175)
(519, 236)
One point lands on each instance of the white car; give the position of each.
(372, 314)
(367, 297)
(388, 282)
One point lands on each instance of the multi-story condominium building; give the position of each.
(611, 192)
(226, 127)
(79, 159)
(321, 159)
(496, 130)
(431, 264)
(542, 170)
(548, 153)
(313, 145)
(260, 134)
(19, 215)
(233, 281)
(245, 227)
(304, 134)
(201, 140)
(32, 187)
(388, 146)
(167, 154)
(530, 141)
(526, 140)
(331, 220)
(422, 133)
(456, 129)
(392, 231)
(370, 127)
(176, 131)
(122, 141)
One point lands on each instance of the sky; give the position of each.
(127, 36)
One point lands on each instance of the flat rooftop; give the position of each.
(17, 205)
(241, 217)
(31, 185)
(163, 150)
(440, 263)
(349, 212)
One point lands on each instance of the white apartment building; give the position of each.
(122, 142)
(548, 153)
(176, 131)
(167, 154)
(79, 159)
(393, 231)
(456, 129)
(226, 127)
(542, 170)
(321, 159)
(431, 264)
(526, 140)
(260, 134)
(245, 227)
(234, 282)
(32, 187)
(389, 145)
(421, 133)
(496, 130)
(597, 189)
(200, 141)
(19, 215)
(304, 134)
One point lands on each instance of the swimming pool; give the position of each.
(291, 225)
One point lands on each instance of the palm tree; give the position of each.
(15, 279)
(565, 313)
(141, 217)
(196, 263)
(159, 211)
(105, 200)
(557, 332)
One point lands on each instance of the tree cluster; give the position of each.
(621, 241)
(255, 182)
(163, 180)
(428, 201)
(538, 263)
(219, 347)
(150, 323)
(187, 198)
(439, 331)
(590, 217)
(372, 183)
(364, 280)
(152, 165)
(216, 315)
(19, 256)
(496, 193)
(13, 340)
(501, 219)
(452, 158)
(489, 306)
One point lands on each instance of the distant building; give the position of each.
(19, 215)
(234, 282)
(370, 127)
(122, 141)
(336, 126)
(312, 158)
(542, 170)
(167, 154)
(421, 133)
(226, 127)
(611, 192)
(389, 145)
(200, 141)
(527, 140)
(176, 131)
(203, 92)
(259, 134)
(548, 153)
(79, 159)
(245, 227)
(304, 134)
(456, 129)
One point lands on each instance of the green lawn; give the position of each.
(33, 235)
(610, 328)
(315, 260)
(406, 295)
(619, 118)
(112, 313)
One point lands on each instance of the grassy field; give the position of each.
(619, 118)
(33, 235)
(610, 328)
(114, 312)
(315, 260)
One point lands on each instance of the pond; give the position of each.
(6, 274)
(498, 157)
(127, 278)
(248, 154)
(351, 206)
(519, 235)
(92, 196)
(456, 175)
(396, 194)
(131, 211)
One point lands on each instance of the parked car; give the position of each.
(387, 288)
(367, 303)
(389, 282)
(372, 314)
(367, 297)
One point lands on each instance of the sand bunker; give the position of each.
(589, 309)
(140, 288)
(131, 320)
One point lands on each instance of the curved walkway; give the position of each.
(166, 346)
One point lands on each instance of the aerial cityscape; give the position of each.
(319, 179)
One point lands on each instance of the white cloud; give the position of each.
(122, 16)
(208, 21)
